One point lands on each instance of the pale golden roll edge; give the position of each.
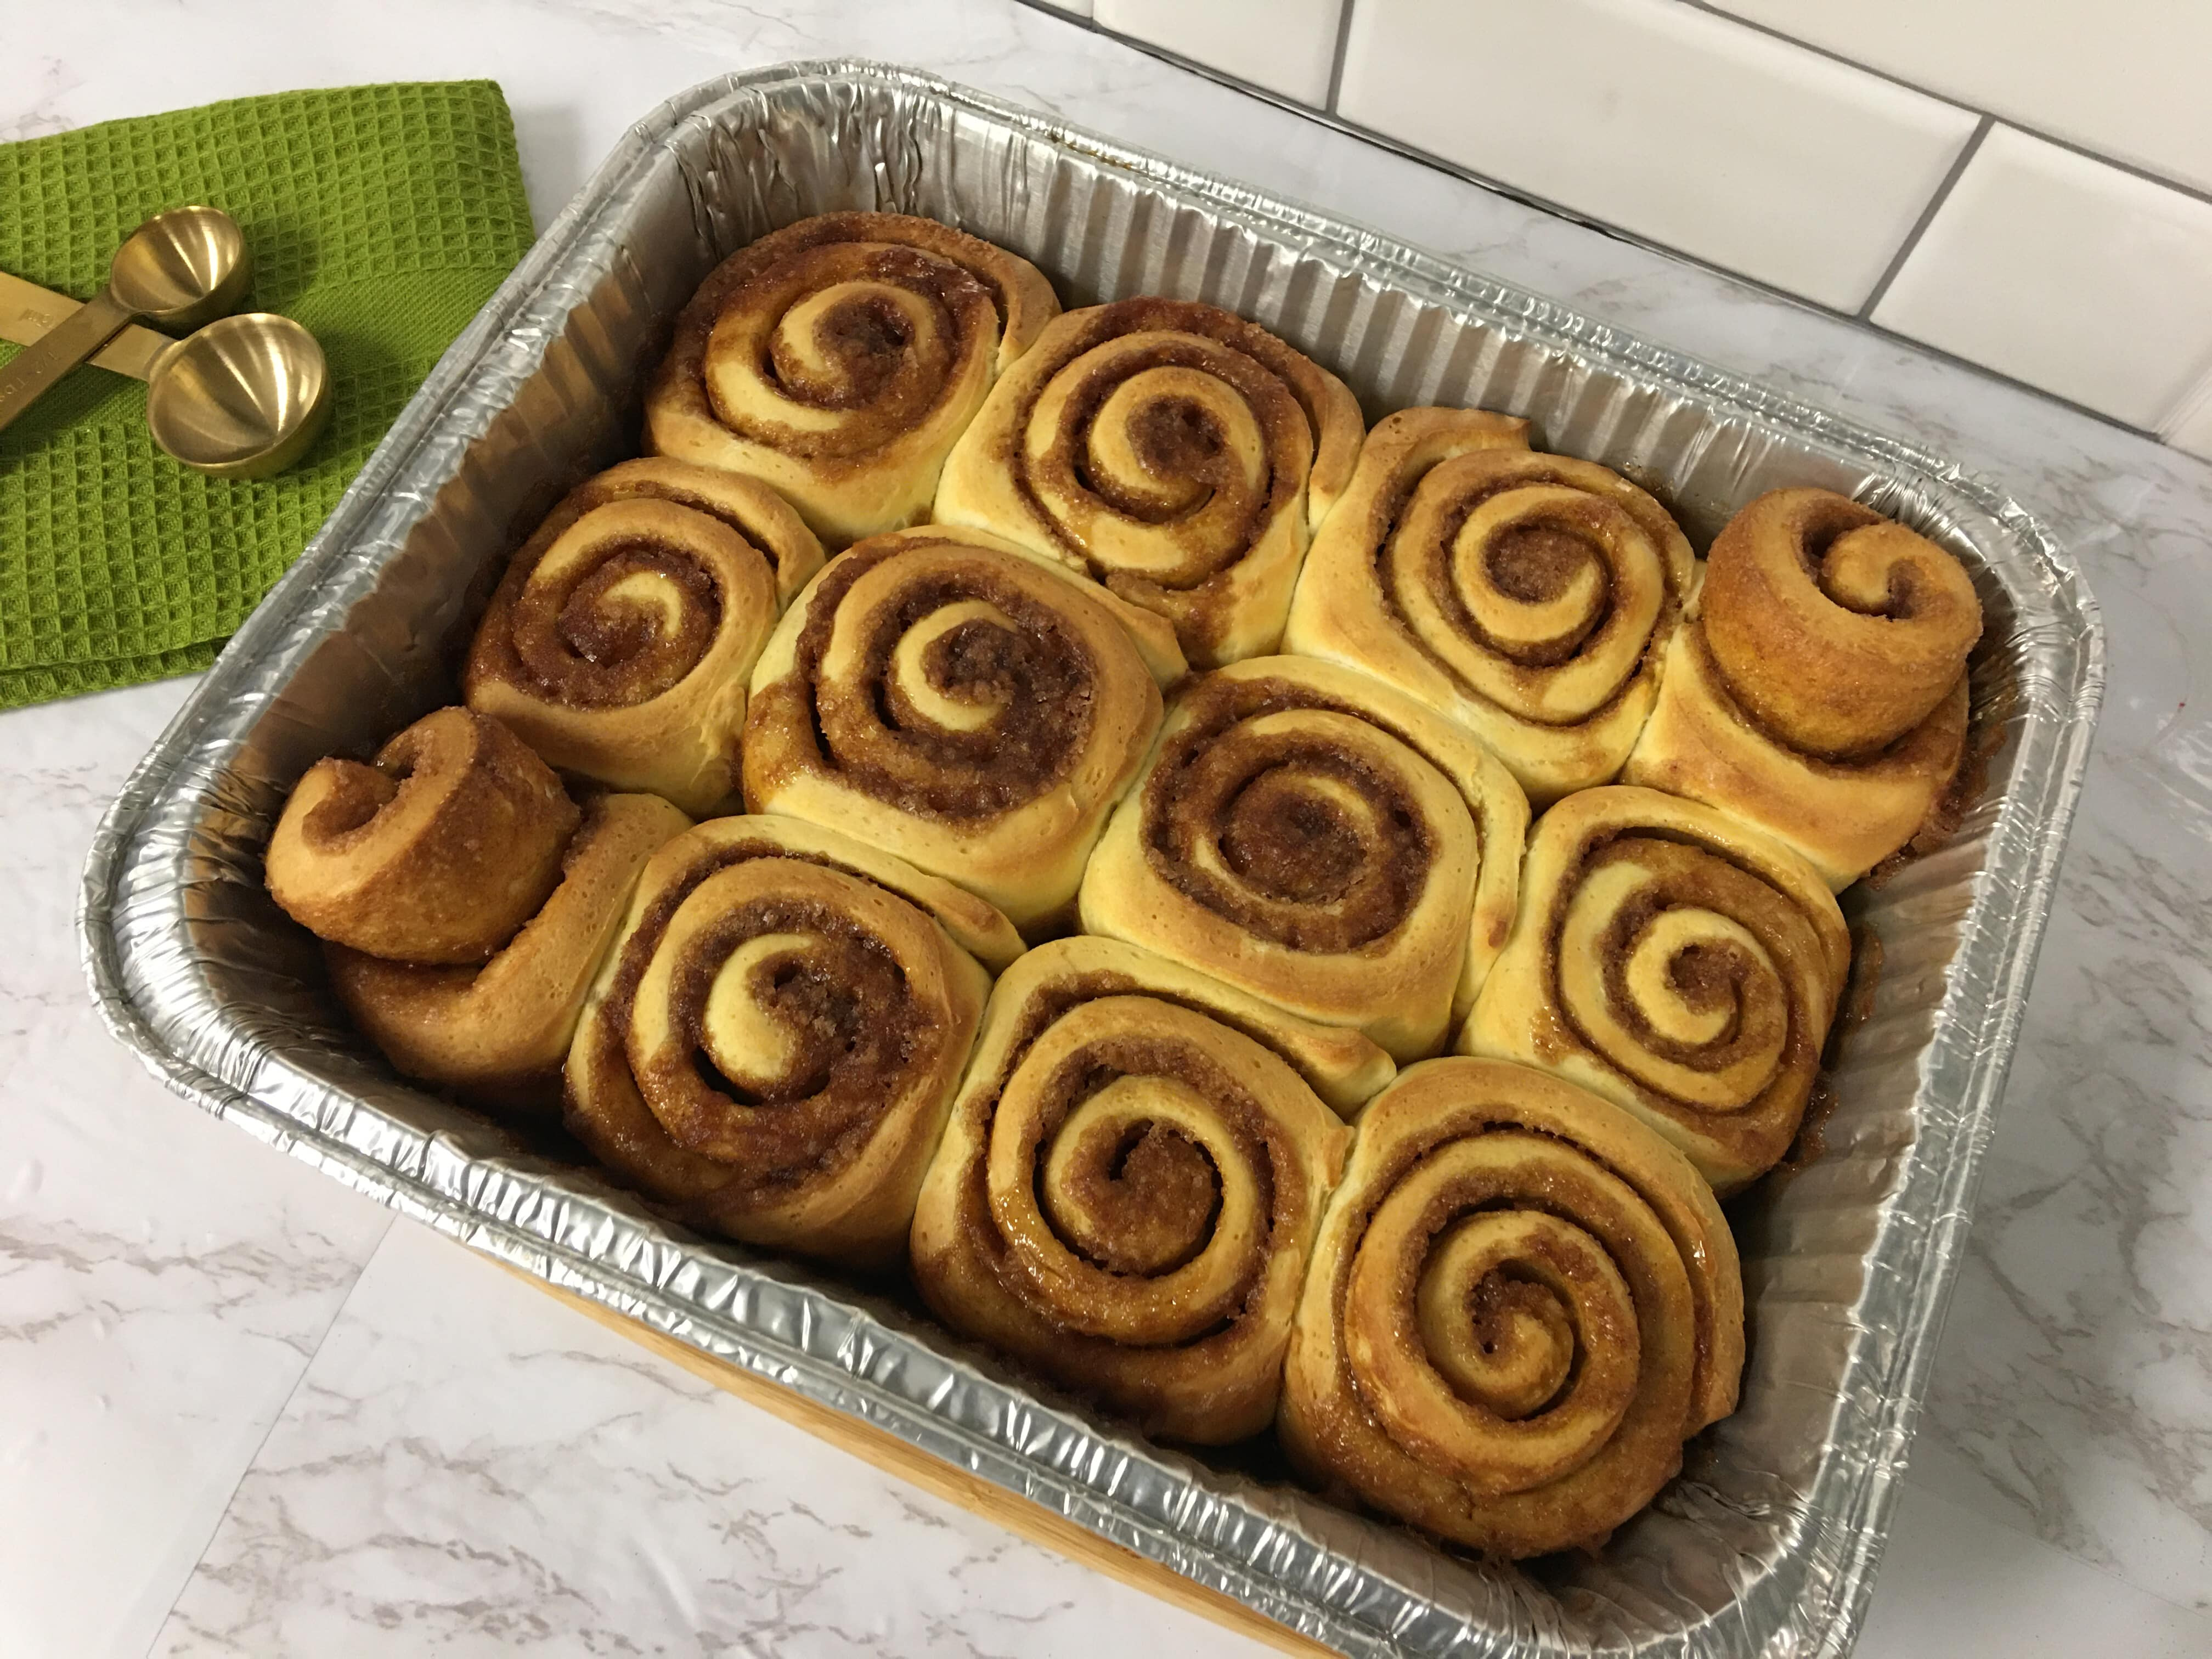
(817, 450)
(1401, 987)
(621, 635)
(1343, 610)
(816, 749)
(1097, 1004)
(1524, 1010)
(1226, 601)
(1408, 1143)
(858, 1212)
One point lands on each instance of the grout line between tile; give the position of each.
(1936, 200)
(2149, 175)
(1336, 64)
(262, 1444)
(2198, 396)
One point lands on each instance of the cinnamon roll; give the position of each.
(1128, 1187)
(465, 899)
(1677, 961)
(772, 1043)
(1320, 840)
(1528, 597)
(972, 709)
(1521, 1303)
(1820, 691)
(619, 641)
(839, 357)
(1175, 452)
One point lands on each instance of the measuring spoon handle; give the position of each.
(31, 371)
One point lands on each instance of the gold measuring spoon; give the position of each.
(28, 314)
(179, 268)
(242, 398)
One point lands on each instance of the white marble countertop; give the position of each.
(244, 1411)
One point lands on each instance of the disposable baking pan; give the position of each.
(1767, 1543)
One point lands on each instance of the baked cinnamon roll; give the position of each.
(1177, 453)
(464, 900)
(1820, 691)
(772, 1046)
(972, 709)
(1521, 1303)
(1316, 838)
(1677, 961)
(1128, 1187)
(1528, 597)
(619, 641)
(839, 357)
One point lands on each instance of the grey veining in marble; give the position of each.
(470, 1468)
(163, 1281)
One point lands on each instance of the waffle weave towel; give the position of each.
(381, 218)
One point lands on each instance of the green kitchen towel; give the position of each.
(381, 218)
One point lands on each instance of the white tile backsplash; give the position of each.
(1675, 125)
(1816, 148)
(2126, 78)
(1287, 46)
(2066, 273)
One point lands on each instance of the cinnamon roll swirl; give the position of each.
(1819, 690)
(619, 641)
(1130, 1181)
(1320, 840)
(839, 357)
(1528, 597)
(465, 899)
(1677, 961)
(1176, 453)
(1521, 1303)
(772, 1043)
(972, 709)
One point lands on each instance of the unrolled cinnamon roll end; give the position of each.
(1820, 693)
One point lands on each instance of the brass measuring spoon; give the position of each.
(242, 398)
(179, 268)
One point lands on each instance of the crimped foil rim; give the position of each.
(1282, 1572)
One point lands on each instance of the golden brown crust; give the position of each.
(772, 1045)
(464, 900)
(1819, 690)
(1171, 450)
(436, 854)
(1837, 628)
(1521, 1303)
(1528, 597)
(499, 1033)
(1319, 840)
(972, 709)
(1130, 1181)
(839, 357)
(620, 639)
(1676, 961)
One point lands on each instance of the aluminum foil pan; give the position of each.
(1767, 1543)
